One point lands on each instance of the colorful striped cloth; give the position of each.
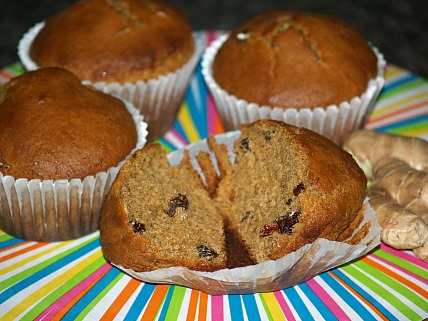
(72, 281)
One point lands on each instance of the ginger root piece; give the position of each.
(398, 169)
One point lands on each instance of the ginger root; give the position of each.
(397, 167)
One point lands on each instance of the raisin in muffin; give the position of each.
(143, 51)
(59, 142)
(302, 68)
(285, 188)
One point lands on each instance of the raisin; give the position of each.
(285, 223)
(298, 189)
(178, 201)
(289, 201)
(268, 136)
(206, 252)
(268, 229)
(137, 227)
(245, 144)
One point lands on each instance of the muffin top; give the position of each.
(53, 127)
(115, 40)
(295, 59)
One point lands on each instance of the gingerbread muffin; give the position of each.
(143, 51)
(286, 187)
(59, 141)
(297, 67)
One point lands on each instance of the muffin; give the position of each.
(61, 144)
(288, 187)
(142, 51)
(306, 69)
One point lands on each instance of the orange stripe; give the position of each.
(396, 277)
(193, 303)
(69, 305)
(380, 314)
(399, 111)
(22, 251)
(5, 74)
(120, 301)
(156, 300)
(203, 306)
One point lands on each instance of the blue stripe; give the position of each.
(421, 119)
(251, 307)
(391, 85)
(140, 301)
(298, 303)
(317, 302)
(347, 296)
(10, 242)
(198, 111)
(166, 143)
(91, 295)
(179, 128)
(35, 277)
(165, 305)
(364, 294)
(235, 307)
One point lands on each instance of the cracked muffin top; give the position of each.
(295, 59)
(115, 40)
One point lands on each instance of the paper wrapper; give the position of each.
(157, 99)
(292, 269)
(334, 121)
(57, 210)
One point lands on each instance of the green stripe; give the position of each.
(175, 303)
(417, 126)
(265, 307)
(409, 86)
(5, 237)
(99, 297)
(402, 263)
(63, 289)
(380, 290)
(16, 69)
(35, 268)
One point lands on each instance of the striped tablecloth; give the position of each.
(72, 280)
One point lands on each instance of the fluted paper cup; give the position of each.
(333, 121)
(158, 99)
(57, 210)
(294, 268)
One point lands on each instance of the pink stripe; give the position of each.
(421, 279)
(407, 256)
(180, 138)
(210, 36)
(217, 308)
(284, 306)
(327, 299)
(212, 115)
(70, 295)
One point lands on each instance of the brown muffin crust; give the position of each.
(115, 40)
(295, 59)
(53, 127)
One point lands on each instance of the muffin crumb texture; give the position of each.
(287, 187)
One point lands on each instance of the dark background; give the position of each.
(399, 28)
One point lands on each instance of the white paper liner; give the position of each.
(57, 210)
(334, 121)
(157, 99)
(292, 269)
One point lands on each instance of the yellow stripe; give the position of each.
(51, 286)
(273, 306)
(392, 72)
(184, 117)
(32, 258)
(398, 104)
